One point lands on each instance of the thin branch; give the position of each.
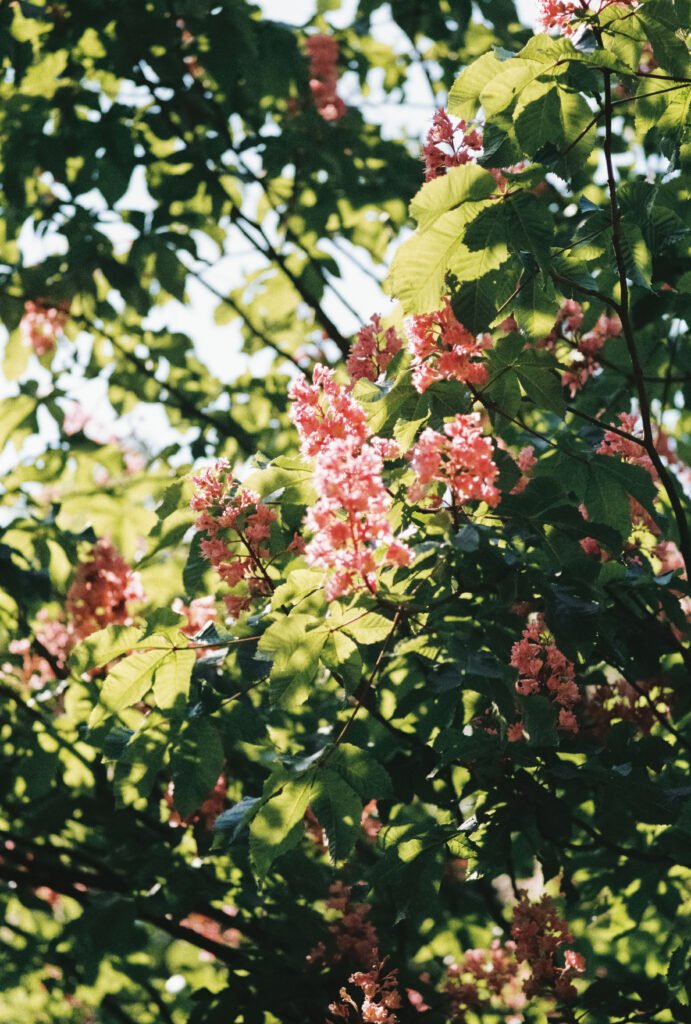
(627, 327)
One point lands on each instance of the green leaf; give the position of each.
(606, 499)
(464, 94)
(130, 680)
(475, 303)
(338, 809)
(503, 387)
(370, 628)
(535, 371)
(195, 567)
(140, 762)
(529, 225)
(103, 646)
(278, 825)
(420, 264)
(539, 721)
(295, 643)
(537, 116)
(172, 680)
(230, 824)
(670, 52)
(503, 88)
(448, 191)
(14, 412)
(197, 761)
(536, 306)
(361, 771)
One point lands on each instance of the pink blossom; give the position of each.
(525, 462)
(323, 52)
(563, 15)
(75, 419)
(198, 613)
(443, 349)
(373, 350)
(350, 518)
(462, 460)
(543, 668)
(325, 411)
(449, 145)
(40, 326)
(103, 591)
(237, 528)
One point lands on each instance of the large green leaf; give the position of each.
(278, 825)
(295, 643)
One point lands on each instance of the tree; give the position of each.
(352, 685)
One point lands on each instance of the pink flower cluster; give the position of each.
(350, 517)
(634, 453)
(560, 15)
(622, 702)
(198, 613)
(539, 932)
(485, 980)
(40, 326)
(102, 592)
(325, 411)
(525, 462)
(443, 349)
(323, 51)
(380, 995)
(585, 348)
(449, 145)
(626, 449)
(373, 350)
(542, 668)
(460, 458)
(505, 976)
(225, 509)
(353, 937)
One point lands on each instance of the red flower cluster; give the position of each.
(373, 350)
(226, 508)
(485, 980)
(461, 460)
(560, 15)
(634, 453)
(354, 939)
(354, 942)
(626, 449)
(585, 348)
(101, 594)
(494, 980)
(622, 702)
(380, 995)
(443, 349)
(212, 929)
(542, 668)
(449, 145)
(539, 932)
(323, 51)
(350, 517)
(103, 589)
(325, 411)
(40, 326)
(198, 613)
(525, 462)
